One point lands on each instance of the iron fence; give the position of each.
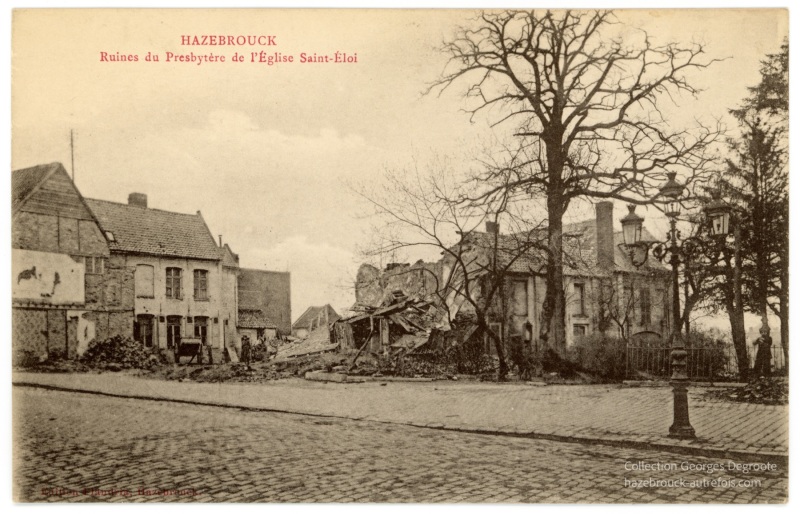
(716, 362)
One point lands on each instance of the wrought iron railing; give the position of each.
(714, 362)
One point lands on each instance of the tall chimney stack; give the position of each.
(137, 199)
(220, 240)
(604, 223)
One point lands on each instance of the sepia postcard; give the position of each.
(430, 256)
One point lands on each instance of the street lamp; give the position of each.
(673, 250)
(719, 216)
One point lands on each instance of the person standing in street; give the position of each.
(246, 350)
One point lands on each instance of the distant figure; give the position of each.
(246, 350)
(763, 367)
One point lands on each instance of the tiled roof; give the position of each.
(580, 252)
(155, 232)
(304, 321)
(253, 318)
(229, 258)
(24, 181)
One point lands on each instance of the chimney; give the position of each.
(604, 224)
(492, 227)
(137, 200)
(220, 240)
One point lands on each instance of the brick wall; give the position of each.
(48, 233)
(29, 332)
(269, 291)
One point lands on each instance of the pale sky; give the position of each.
(267, 153)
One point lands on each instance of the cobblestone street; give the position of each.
(81, 447)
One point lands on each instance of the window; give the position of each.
(143, 279)
(644, 301)
(94, 265)
(174, 283)
(520, 298)
(578, 330)
(200, 284)
(143, 329)
(659, 300)
(201, 328)
(173, 331)
(580, 299)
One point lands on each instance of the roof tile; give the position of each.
(155, 232)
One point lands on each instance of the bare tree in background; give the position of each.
(423, 210)
(585, 103)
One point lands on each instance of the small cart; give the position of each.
(189, 347)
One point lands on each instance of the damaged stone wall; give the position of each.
(113, 289)
(418, 280)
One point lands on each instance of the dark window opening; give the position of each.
(644, 296)
(580, 299)
(144, 329)
(173, 331)
(201, 328)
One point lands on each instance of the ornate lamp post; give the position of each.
(674, 250)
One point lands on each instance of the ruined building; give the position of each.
(604, 291)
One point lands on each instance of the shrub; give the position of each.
(469, 358)
(601, 355)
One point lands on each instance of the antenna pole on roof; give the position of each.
(72, 154)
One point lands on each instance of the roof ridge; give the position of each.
(195, 215)
(262, 270)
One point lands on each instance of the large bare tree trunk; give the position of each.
(553, 319)
(502, 369)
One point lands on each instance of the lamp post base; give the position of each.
(681, 428)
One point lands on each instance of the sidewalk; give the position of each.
(607, 414)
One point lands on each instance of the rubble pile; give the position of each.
(256, 373)
(318, 341)
(120, 353)
(411, 337)
(764, 391)
(399, 325)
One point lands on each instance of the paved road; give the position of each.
(606, 412)
(81, 447)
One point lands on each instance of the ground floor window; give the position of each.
(173, 331)
(144, 329)
(201, 328)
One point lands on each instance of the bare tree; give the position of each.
(421, 210)
(586, 106)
